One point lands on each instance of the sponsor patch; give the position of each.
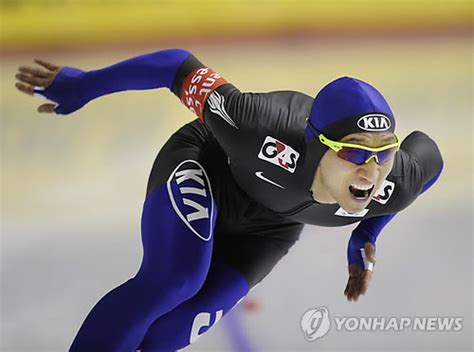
(278, 153)
(374, 122)
(196, 88)
(190, 193)
(384, 193)
(342, 212)
(216, 105)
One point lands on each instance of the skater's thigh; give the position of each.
(193, 142)
(180, 210)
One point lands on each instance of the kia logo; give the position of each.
(374, 122)
(190, 194)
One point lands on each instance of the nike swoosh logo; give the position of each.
(259, 174)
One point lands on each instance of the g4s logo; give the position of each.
(278, 153)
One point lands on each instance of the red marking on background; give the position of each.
(251, 306)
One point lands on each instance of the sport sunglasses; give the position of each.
(360, 154)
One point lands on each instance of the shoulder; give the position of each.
(424, 153)
(283, 114)
(286, 103)
(417, 165)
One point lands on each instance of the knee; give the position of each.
(177, 286)
(185, 286)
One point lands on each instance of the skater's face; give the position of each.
(350, 185)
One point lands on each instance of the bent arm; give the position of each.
(367, 231)
(427, 164)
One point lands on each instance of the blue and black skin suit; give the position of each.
(230, 192)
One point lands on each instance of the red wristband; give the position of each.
(196, 88)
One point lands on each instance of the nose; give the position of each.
(368, 171)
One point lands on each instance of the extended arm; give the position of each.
(368, 230)
(149, 71)
(71, 88)
(427, 165)
(199, 88)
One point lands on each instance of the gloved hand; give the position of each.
(361, 258)
(61, 85)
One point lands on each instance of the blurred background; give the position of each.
(72, 187)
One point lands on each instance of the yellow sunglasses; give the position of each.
(360, 154)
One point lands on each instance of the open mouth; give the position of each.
(361, 192)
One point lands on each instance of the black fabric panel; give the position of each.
(189, 65)
(247, 236)
(252, 255)
(192, 141)
(425, 151)
(343, 127)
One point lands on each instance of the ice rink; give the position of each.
(73, 188)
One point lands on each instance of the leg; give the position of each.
(177, 226)
(239, 263)
(222, 290)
